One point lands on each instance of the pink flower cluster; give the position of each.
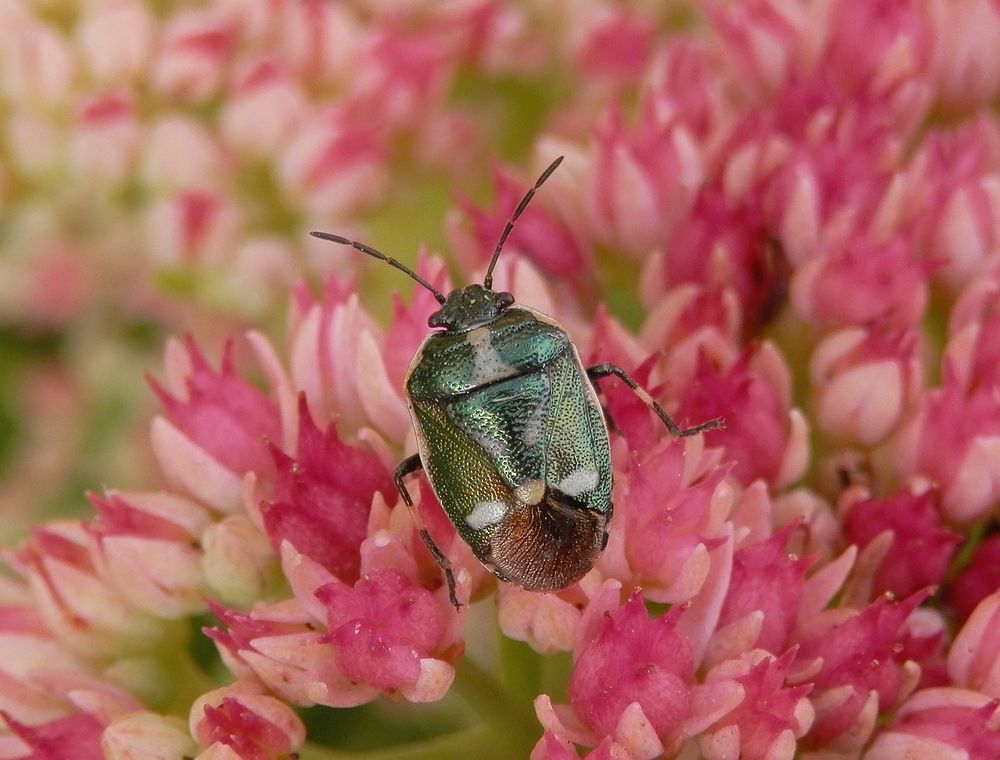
(802, 198)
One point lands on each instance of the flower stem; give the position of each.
(508, 726)
(475, 741)
(519, 669)
(512, 723)
(963, 558)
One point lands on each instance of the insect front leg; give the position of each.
(407, 467)
(604, 370)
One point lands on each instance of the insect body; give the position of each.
(510, 432)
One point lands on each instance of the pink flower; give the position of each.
(32, 649)
(979, 578)
(75, 737)
(51, 707)
(405, 75)
(331, 166)
(725, 244)
(861, 281)
(652, 704)
(280, 645)
(547, 622)
(956, 170)
(639, 186)
(392, 631)
(766, 582)
(238, 562)
(51, 285)
(263, 110)
(919, 549)
(941, 724)
(322, 497)
(759, 39)
(180, 154)
(334, 343)
(689, 316)
(192, 60)
(966, 33)
(650, 697)
(897, 51)
(544, 237)
(213, 419)
(116, 40)
(664, 538)
(319, 41)
(952, 442)
(972, 661)
(148, 544)
(383, 628)
(243, 717)
(857, 662)
(147, 735)
(683, 87)
(255, 22)
(763, 437)
(63, 569)
(106, 143)
(616, 45)
(972, 354)
(194, 228)
(866, 380)
(38, 65)
(826, 165)
(770, 717)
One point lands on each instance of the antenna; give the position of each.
(488, 280)
(379, 255)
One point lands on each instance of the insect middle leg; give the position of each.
(407, 467)
(604, 370)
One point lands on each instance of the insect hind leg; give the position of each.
(604, 370)
(407, 467)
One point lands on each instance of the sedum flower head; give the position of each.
(783, 214)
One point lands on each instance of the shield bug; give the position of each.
(510, 431)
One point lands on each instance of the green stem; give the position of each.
(519, 669)
(964, 556)
(508, 726)
(470, 742)
(513, 723)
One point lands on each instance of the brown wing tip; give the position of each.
(549, 545)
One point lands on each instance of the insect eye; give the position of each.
(504, 299)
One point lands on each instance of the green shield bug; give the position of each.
(510, 431)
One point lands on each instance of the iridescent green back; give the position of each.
(504, 406)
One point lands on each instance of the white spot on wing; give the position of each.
(487, 364)
(486, 513)
(578, 482)
(490, 445)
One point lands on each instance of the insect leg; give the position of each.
(407, 467)
(603, 370)
(612, 426)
